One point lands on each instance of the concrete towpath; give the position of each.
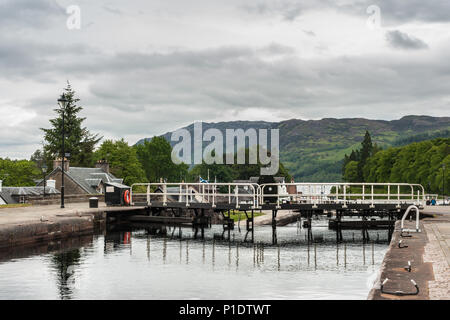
(30, 214)
(429, 254)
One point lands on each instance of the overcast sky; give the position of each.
(145, 67)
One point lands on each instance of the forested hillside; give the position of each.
(420, 162)
(313, 150)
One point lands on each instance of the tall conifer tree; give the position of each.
(79, 142)
(365, 153)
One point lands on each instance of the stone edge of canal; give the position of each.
(59, 224)
(394, 263)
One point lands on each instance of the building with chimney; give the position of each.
(78, 180)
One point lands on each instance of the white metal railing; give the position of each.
(254, 194)
(346, 192)
(235, 193)
(402, 229)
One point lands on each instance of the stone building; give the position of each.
(78, 180)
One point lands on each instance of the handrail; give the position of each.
(404, 217)
(370, 197)
(189, 191)
(317, 193)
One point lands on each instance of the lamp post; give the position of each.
(62, 103)
(44, 171)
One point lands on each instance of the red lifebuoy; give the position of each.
(126, 196)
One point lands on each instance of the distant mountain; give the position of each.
(313, 150)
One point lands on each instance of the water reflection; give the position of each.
(65, 264)
(317, 245)
(210, 263)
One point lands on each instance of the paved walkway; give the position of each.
(437, 251)
(51, 213)
(429, 254)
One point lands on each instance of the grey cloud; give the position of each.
(239, 78)
(411, 10)
(21, 58)
(400, 40)
(287, 9)
(392, 11)
(130, 91)
(29, 13)
(113, 10)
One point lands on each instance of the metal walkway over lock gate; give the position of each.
(279, 196)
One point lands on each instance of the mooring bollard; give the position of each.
(401, 246)
(400, 293)
(405, 235)
(408, 267)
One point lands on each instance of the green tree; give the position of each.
(365, 153)
(229, 172)
(351, 172)
(79, 142)
(420, 163)
(122, 159)
(19, 173)
(155, 158)
(217, 172)
(354, 156)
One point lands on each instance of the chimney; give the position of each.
(292, 189)
(103, 164)
(57, 163)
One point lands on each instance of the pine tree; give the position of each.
(365, 153)
(79, 142)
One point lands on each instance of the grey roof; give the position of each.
(117, 184)
(7, 197)
(89, 178)
(29, 191)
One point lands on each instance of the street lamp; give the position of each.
(44, 171)
(62, 103)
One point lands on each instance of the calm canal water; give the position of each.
(169, 263)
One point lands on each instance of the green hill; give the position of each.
(313, 150)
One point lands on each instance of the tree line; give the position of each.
(424, 162)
